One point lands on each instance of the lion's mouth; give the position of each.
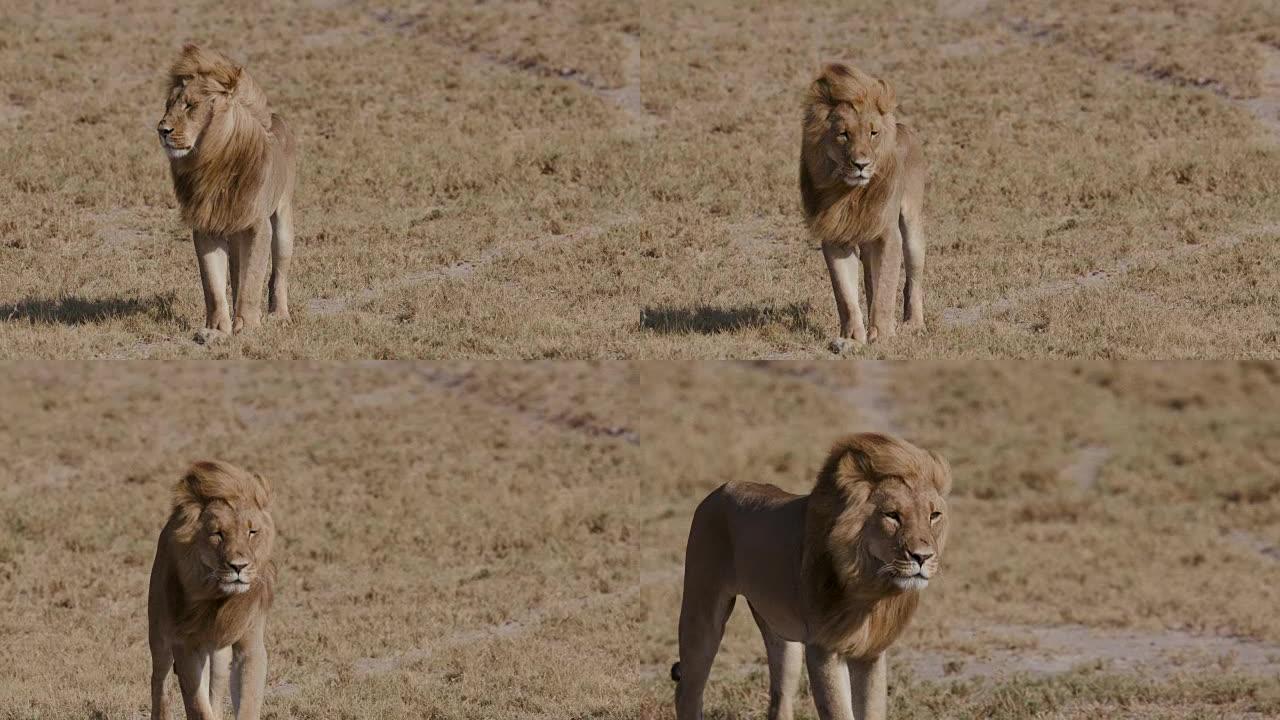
(908, 575)
(175, 152)
(911, 582)
(857, 179)
(234, 587)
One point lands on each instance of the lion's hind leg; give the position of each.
(281, 259)
(701, 629)
(911, 225)
(705, 606)
(785, 660)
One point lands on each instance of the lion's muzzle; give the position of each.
(860, 174)
(236, 578)
(171, 147)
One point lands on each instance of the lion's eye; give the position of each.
(935, 515)
(875, 133)
(894, 516)
(843, 137)
(216, 535)
(191, 105)
(252, 533)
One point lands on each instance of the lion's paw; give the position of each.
(209, 336)
(844, 346)
(880, 334)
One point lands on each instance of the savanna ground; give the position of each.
(505, 540)
(596, 179)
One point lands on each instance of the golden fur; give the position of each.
(862, 177)
(233, 164)
(212, 584)
(833, 576)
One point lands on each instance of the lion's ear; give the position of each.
(850, 460)
(191, 489)
(187, 502)
(224, 80)
(261, 491)
(820, 91)
(855, 465)
(941, 474)
(887, 99)
(823, 89)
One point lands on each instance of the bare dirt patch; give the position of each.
(1084, 470)
(1266, 106)
(1010, 650)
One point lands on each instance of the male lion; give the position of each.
(833, 576)
(233, 166)
(862, 177)
(211, 586)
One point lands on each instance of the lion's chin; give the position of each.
(175, 153)
(233, 588)
(914, 582)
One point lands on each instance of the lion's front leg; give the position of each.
(843, 265)
(869, 681)
(249, 675)
(829, 683)
(219, 679)
(886, 267)
(211, 254)
(161, 663)
(254, 255)
(192, 668)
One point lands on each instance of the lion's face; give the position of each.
(187, 113)
(232, 543)
(856, 140)
(906, 530)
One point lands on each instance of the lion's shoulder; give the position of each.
(747, 492)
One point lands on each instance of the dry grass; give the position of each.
(589, 179)
(505, 540)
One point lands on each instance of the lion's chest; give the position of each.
(856, 218)
(865, 632)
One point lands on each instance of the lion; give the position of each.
(833, 576)
(862, 177)
(233, 164)
(211, 587)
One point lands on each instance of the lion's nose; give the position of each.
(164, 130)
(238, 565)
(861, 164)
(920, 556)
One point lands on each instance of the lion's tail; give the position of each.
(675, 672)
